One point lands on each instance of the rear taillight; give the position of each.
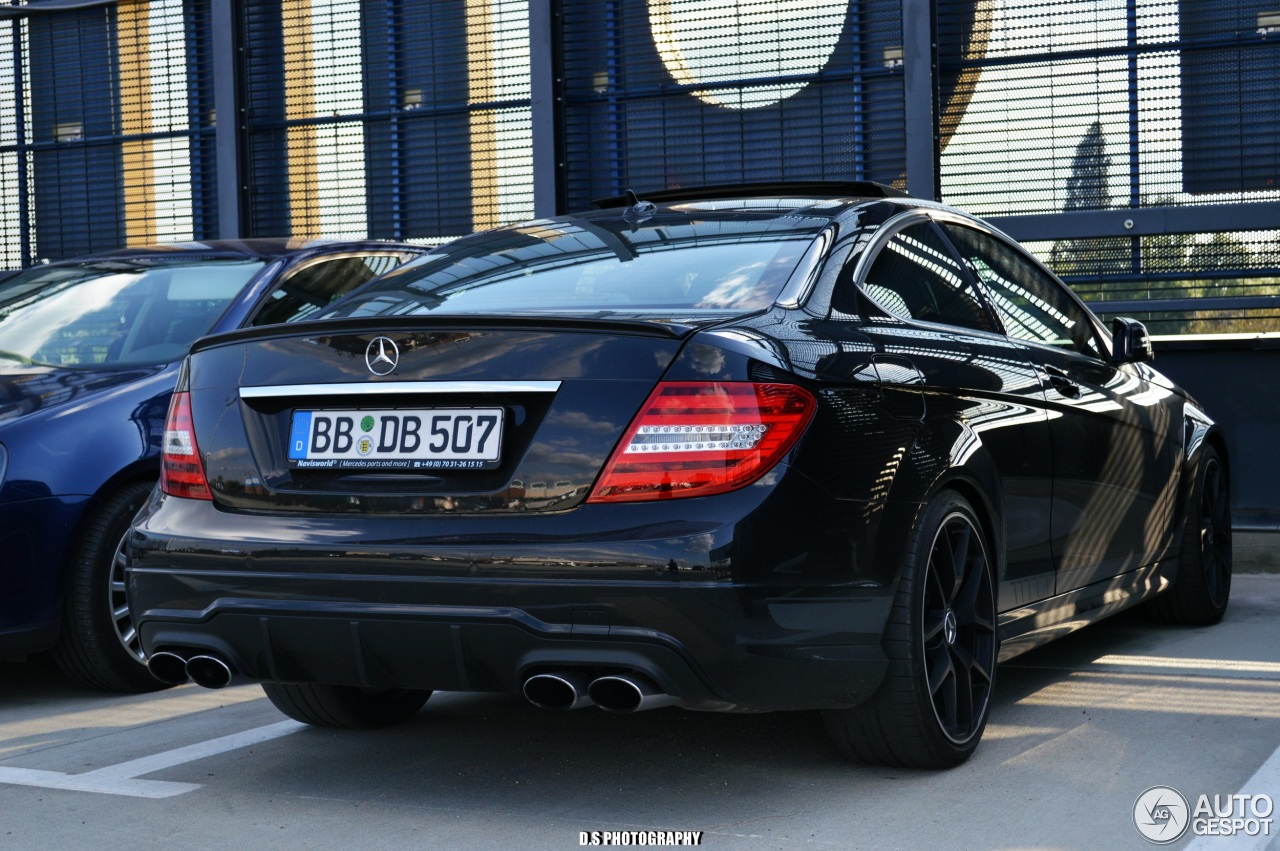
(181, 472)
(704, 438)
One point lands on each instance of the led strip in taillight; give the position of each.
(696, 438)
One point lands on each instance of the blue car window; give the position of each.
(114, 312)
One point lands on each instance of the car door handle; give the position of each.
(1062, 382)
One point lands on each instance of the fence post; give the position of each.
(919, 65)
(232, 192)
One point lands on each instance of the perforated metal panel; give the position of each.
(105, 123)
(669, 93)
(386, 118)
(1077, 107)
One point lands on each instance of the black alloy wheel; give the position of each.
(959, 628)
(942, 645)
(1202, 585)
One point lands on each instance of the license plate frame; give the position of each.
(443, 438)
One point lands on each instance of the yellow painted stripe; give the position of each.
(482, 88)
(975, 49)
(134, 44)
(299, 87)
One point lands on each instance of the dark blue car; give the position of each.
(89, 354)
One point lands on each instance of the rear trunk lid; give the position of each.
(443, 415)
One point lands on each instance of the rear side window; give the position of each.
(1031, 304)
(318, 283)
(916, 277)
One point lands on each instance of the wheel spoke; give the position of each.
(934, 627)
(120, 612)
(960, 549)
(964, 720)
(944, 565)
(973, 661)
(939, 667)
(975, 577)
(935, 587)
(957, 536)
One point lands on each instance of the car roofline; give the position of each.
(859, 189)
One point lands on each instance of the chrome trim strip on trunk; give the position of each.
(381, 388)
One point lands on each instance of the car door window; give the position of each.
(1031, 304)
(317, 284)
(915, 276)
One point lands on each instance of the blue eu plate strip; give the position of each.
(299, 435)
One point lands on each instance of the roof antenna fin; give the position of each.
(637, 210)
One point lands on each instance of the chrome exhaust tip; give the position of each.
(208, 671)
(168, 668)
(628, 693)
(557, 691)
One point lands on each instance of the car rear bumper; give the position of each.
(449, 613)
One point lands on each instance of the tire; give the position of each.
(346, 707)
(98, 646)
(1202, 585)
(931, 708)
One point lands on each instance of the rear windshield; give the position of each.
(665, 263)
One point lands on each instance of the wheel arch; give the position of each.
(138, 473)
(977, 479)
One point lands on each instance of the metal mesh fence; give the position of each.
(105, 129)
(671, 93)
(414, 120)
(384, 118)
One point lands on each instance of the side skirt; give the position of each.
(1028, 627)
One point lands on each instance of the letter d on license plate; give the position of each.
(430, 438)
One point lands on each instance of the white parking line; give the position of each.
(119, 779)
(1265, 781)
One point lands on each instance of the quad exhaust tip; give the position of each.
(628, 693)
(168, 668)
(557, 691)
(208, 671)
(621, 693)
(202, 669)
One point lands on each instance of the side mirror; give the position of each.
(1130, 342)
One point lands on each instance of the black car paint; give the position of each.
(770, 597)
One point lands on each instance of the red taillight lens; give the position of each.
(704, 438)
(181, 473)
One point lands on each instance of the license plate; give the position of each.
(432, 438)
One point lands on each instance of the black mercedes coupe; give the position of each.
(817, 446)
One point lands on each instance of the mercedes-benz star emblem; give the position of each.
(950, 627)
(382, 355)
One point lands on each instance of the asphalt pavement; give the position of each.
(1079, 730)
